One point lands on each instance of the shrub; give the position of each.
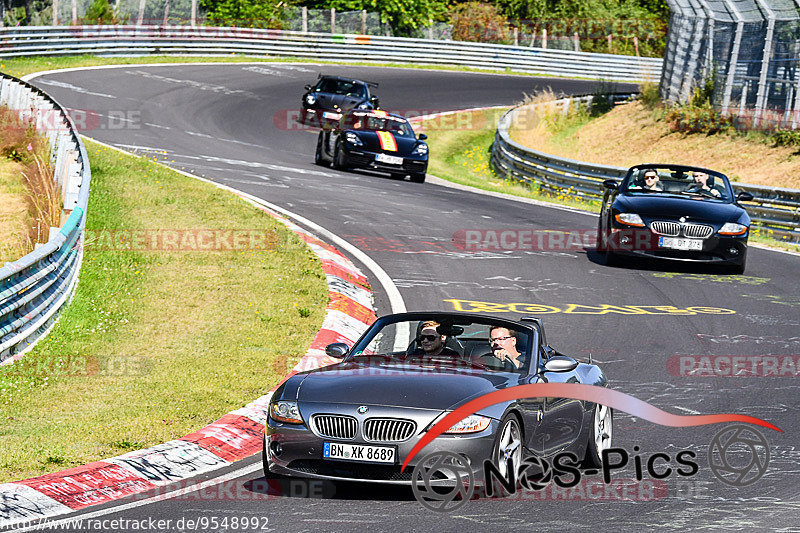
(649, 95)
(101, 12)
(479, 22)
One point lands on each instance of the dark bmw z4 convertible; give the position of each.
(374, 140)
(674, 212)
(357, 420)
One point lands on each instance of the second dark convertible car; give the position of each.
(358, 420)
(674, 212)
(324, 102)
(374, 140)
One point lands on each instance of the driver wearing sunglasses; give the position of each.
(431, 341)
(504, 346)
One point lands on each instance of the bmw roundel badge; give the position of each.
(363, 409)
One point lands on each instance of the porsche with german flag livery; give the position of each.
(374, 140)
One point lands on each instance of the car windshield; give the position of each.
(369, 122)
(673, 181)
(445, 342)
(347, 88)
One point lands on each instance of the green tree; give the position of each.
(248, 13)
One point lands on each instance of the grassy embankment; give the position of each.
(158, 343)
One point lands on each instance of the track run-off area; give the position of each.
(647, 324)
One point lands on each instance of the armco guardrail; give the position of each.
(774, 210)
(34, 288)
(127, 40)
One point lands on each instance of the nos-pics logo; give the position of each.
(444, 481)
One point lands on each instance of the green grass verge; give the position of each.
(26, 65)
(461, 150)
(157, 344)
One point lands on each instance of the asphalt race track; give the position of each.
(226, 123)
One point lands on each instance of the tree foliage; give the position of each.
(247, 13)
(479, 22)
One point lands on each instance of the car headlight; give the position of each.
(311, 99)
(284, 411)
(470, 424)
(420, 149)
(352, 138)
(364, 105)
(732, 228)
(629, 219)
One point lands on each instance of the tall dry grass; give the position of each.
(21, 143)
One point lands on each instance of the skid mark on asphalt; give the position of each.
(73, 88)
(542, 286)
(220, 89)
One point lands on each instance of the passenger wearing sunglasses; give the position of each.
(431, 341)
(648, 182)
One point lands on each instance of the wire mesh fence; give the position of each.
(748, 49)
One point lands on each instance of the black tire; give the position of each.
(510, 430)
(611, 259)
(265, 460)
(318, 157)
(738, 270)
(339, 158)
(599, 437)
(418, 178)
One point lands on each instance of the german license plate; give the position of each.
(358, 452)
(331, 116)
(680, 244)
(389, 159)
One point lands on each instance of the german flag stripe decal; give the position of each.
(387, 140)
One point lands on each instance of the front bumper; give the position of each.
(320, 118)
(642, 242)
(412, 164)
(294, 450)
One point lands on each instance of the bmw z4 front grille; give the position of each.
(673, 229)
(388, 429)
(700, 231)
(670, 229)
(335, 426)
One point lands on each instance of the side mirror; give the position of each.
(560, 363)
(308, 87)
(422, 137)
(337, 350)
(611, 185)
(744, 196)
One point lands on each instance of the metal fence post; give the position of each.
(304, 19)
(74, 12)
(140, 18)
(333, 20)
(363, 22)
(734, 60)
(761, 96)
(194, 13)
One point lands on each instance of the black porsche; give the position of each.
(674, 212)
(325, 101)
(358, 420)
(374, 140)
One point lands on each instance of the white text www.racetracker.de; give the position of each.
(202, 523)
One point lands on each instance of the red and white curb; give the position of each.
(233, 437)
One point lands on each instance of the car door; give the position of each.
(561, 418)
